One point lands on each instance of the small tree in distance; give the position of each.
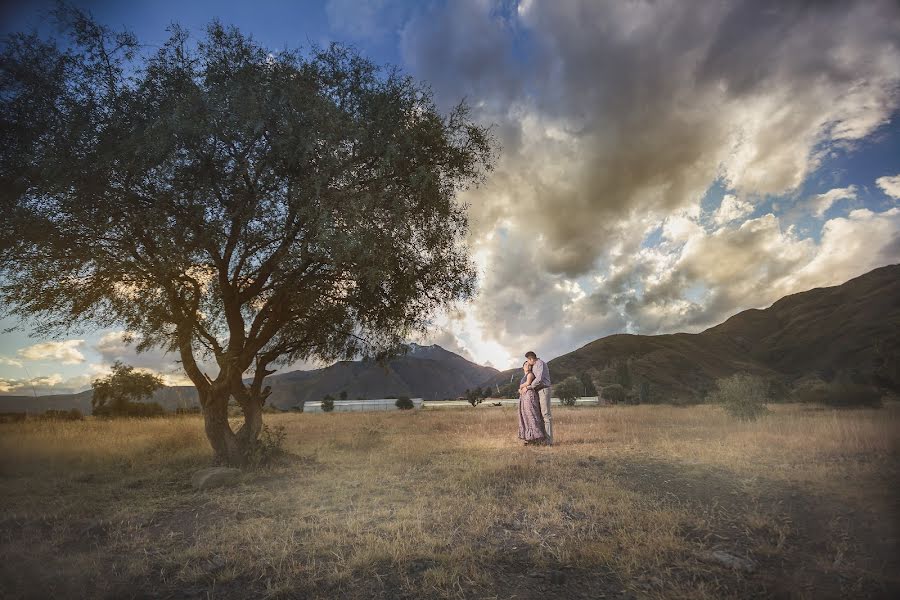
(568, 390)
(121, 393)
(404, 403)
(327, 403)
(241, 207)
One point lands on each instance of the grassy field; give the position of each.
(447, 504)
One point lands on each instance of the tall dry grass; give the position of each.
(439, 503)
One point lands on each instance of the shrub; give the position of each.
(613, 392)
(268, 446)
(404, 403)
(568, 390)
(130, 409)
(13, 417)
(843, 392)
(742, 395)
(62, 415)
(328, 403)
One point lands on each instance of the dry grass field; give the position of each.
(447, 504)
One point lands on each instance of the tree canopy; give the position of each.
(229, 202)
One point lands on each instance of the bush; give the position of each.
(742, 395)
(567, 391)
(328, 403)
(268, 446)
(614, 392)
(843, 392)
(62, 415)
(404, 403)
(130, 409)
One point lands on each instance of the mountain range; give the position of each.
(852, 327)
(428, 372)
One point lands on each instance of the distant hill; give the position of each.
(429, 372)
(818, 333)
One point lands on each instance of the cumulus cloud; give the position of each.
(67, 352)
(890, 185)
(617, 121)
(822, 202)
(747, 266)
(731, 208)
(53, 383)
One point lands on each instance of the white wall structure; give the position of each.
(585, 401)
(381, 404)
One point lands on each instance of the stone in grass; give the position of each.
(730, 560)
(215, 477)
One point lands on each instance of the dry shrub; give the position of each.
(742, 395)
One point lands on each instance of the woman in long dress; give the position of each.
(531, 423)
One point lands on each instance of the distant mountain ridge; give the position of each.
(815, 333)
(428, 372)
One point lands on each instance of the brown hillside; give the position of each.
(819, 332)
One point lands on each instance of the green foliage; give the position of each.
(327, 403)
(475, 397)
(343, 395)
(623, 373)
(842, 392)
(568, 390)
(607, 375)
(279, 176)
(266, 448)
(509, 390)
(404, 403)
(589, 388)
(742, 395)
(613, 392)
(643, 394)
(120, 394)
(231, 145)
(130, 409)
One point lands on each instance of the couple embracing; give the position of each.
(535, 426)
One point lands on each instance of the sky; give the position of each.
(660, 169)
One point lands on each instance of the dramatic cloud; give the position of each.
(615, 121)
(657, 163)
(67, 352)
(890, 185)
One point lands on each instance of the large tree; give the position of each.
(229, 202)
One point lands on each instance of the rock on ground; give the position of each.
(729, 560)
(215, 477)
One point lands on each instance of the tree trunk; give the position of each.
(248, 434)
(231, 448)
(224, 442)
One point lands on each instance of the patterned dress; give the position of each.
(531, 423)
